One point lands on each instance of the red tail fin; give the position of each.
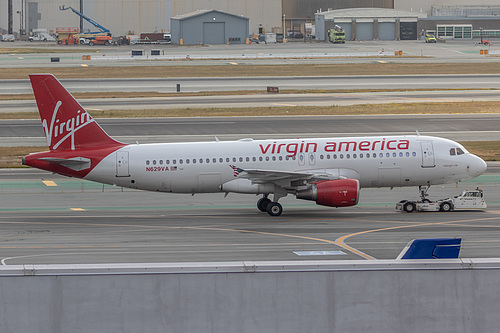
(66, 124)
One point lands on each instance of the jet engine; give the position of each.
(333, 193)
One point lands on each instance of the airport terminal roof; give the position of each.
(370, 13)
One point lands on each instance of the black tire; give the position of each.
(262, 204)
(274, 209)
(446, 206)
(91, 43)
(82, 41)
(409, 207)
(106, 43)
(59, 42)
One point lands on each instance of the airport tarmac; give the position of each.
(241, 54)
(49, 219)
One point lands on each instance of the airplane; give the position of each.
(329, 171)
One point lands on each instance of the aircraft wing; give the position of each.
(271, 176)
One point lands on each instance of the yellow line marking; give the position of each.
(78, 209)
(84, 65)
(20, 58)
(49, 183)
(233, 63)
(382, 62)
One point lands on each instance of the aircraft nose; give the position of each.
(481, 166)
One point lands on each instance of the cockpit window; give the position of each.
(456, 151)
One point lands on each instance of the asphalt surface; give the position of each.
(472, 81)
(83, 222)
(289, 53)
(267, 100)
(479, 127)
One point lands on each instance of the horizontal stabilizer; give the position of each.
(435, 248)
(75, 163)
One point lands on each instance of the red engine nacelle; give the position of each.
(333, 193)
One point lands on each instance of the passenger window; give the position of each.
(161, 162)
(194, 160)
(201, 160)
(354, 155)
(274, 158)
(208, 160)
(414, 154)
(260, 158)
(167, 162)
(180, 161)
(174, 162)
(341, 156)
(247, 159)
(214, 160)
(407, 154)
(254, 159)
(221, 160)
(227, 159)
(234, 159)
(241, 159)
(267, 158)
(374, 155)
(147, 162)
(281, 158)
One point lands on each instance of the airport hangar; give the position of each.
(133, 17)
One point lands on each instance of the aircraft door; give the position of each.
(428, 159)
(122, 165)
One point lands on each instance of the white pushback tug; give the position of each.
(467, 200)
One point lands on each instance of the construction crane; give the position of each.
(88, 19)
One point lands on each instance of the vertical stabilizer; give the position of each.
(66, 124)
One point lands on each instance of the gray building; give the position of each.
(209, 26)
(369, 23)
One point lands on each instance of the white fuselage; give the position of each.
(201, 167)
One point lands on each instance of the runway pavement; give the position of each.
(480, 127)
(169, 85)
(268, 100)
(82, 222)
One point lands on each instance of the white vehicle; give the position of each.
(7, 38)
(329, 171)
(467, 200)
(270, 38)
(43, 37)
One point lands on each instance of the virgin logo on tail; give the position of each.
(66, 129)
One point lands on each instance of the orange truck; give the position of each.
(65, 35)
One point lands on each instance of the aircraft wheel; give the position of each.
(409, 207)
(262, 204)
(445, 207)
(274, 209)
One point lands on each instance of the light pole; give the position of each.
(284, 27)
(481, 34)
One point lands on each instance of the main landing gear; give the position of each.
(266, 205)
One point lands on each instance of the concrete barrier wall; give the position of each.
(312, 296)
